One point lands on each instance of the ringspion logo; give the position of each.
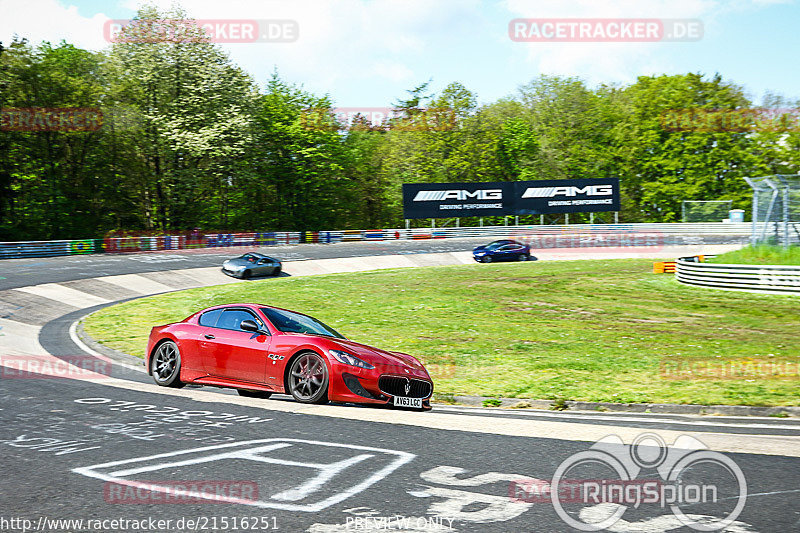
(703, 489)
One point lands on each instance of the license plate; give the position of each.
(402, 401)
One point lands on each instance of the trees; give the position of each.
(48, 177)
(660, 168)
(189, 141)
(194, 112)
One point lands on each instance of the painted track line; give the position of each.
(613, 418)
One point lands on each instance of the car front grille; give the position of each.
(397, 386)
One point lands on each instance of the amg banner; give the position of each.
(566, 196)
(445, 200)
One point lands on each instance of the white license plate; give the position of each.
(402, 401)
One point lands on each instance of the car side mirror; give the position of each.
(249, 325)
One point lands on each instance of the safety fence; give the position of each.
(538, 236)
(751, 278)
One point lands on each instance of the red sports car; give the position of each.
(260, 350)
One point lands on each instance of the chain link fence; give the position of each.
(776, 210)
(705, 210)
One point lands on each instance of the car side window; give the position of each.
(209, 318)
(233, 318)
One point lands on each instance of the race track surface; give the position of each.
(110, 445)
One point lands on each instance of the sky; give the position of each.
(368, 53)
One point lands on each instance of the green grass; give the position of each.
(569, 330)
(761, 255)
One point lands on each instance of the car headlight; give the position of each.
(349, 359)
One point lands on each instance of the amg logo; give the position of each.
(549, 192)
(456, 194)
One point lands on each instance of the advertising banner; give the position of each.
(566, 196)
(447, 200)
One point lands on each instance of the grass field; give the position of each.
(573, 330)
(761, 255)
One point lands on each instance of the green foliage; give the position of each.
(761, 255)
(526, 330)
(559, 404)
(492, 402)
(190, 140)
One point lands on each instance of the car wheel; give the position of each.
(165, 365)
(246, 274)
(308, 378)
(487, 259)
(254, 393)
(276, 272)
(523, 257)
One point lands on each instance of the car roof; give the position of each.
(249, 306)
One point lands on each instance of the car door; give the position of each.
(235, 354)
(264, 266)
(506, 252)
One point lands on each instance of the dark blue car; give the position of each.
(502, 250)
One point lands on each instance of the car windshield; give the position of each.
(290, 322)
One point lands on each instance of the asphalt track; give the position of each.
(22, 272)
(318, 469)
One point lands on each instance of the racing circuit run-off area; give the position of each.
(364, 266)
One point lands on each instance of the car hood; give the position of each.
(376, 355)
(479, 249)
(238, 262)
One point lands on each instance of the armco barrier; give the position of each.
(560, 236)
(775, 279)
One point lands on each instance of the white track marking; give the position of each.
(253, 450)
(137, 283)
(17, 338)
(611, 418)
(66, 295)
(570, 431)
(493, 509)
(73, 334)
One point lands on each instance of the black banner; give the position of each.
(446, 200)
(566, 196)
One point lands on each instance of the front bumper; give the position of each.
(232, 273)
(362, 386)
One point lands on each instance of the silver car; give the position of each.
(251, 264)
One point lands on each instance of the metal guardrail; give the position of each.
(538, 236)
(773, 279)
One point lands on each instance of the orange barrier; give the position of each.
(664, 267)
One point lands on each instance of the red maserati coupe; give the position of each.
(260, 350)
